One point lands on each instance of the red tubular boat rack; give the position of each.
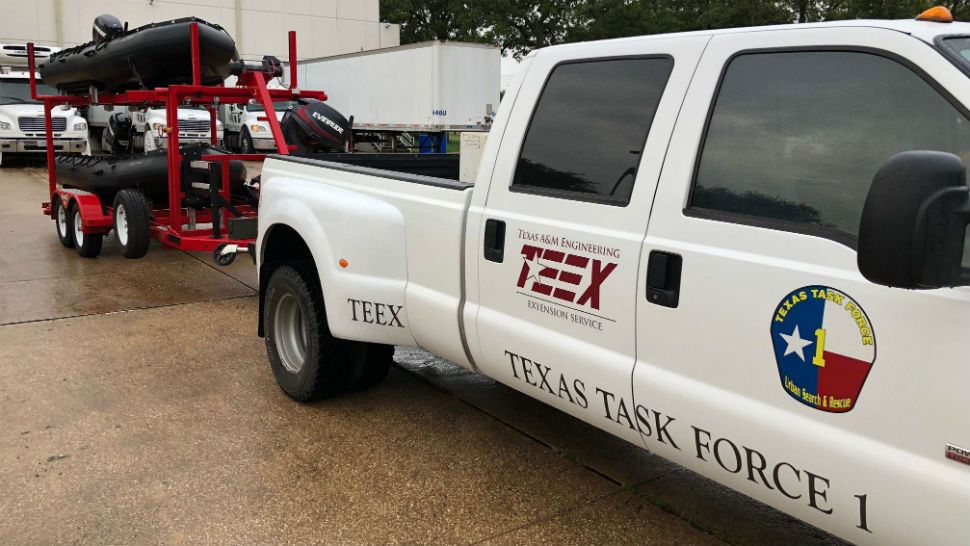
(168, 225)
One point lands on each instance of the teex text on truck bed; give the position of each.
(753, 263)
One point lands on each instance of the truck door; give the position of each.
(775, 366)
(565, 218)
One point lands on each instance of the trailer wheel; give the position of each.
(307, 361)
(62, 223)
(132, 223)
(88, 245)
(246, 142)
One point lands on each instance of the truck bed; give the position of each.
(401, 233)
(439, 166)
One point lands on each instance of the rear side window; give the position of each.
(795, 138)
(589, 129)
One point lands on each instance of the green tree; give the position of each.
(519, 26)
(423, 20)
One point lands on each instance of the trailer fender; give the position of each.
(94, 219)
(358, 249)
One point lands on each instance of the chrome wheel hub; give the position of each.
(291, 331)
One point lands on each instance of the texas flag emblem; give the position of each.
(824, 346)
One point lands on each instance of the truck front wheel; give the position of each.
(307, 361)
(246, 142)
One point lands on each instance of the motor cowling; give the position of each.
(119, 133)
(106, 27)
(315, 127)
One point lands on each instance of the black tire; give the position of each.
(88, 245)
(134, 237)
(328, 366)
(62, 222)
(246, 142)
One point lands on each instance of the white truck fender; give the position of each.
(363, 279)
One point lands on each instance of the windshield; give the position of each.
(279, 106)
(18, 91)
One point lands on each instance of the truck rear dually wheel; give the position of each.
(307, 361)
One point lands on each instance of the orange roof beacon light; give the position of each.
(938, 14)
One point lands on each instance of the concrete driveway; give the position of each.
(138, 407)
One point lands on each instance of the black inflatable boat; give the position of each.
(105, 176)
(155, 55)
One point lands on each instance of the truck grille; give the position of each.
(194, 126)
(18, 50)
(36, 124)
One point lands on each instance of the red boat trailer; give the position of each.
(168, 225)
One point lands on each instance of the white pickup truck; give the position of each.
(744, 250)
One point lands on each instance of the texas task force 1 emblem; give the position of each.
(824, 347)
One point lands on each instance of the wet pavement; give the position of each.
(138, 408)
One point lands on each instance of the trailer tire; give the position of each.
(132, 223)
(88, 245)
(62, 222)
(246, 142)
(307, 361)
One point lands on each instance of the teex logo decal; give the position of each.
(567, 277)
(371, 312)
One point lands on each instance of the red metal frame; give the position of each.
(167, 225)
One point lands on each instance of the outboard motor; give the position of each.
(315, 127)
(106, 27)
(120, 133)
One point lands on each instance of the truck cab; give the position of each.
(22, 125)
(247, 130)
(744, 250)
(194, 127)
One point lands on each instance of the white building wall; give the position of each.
(324, 27)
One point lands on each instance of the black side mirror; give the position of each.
(915, 221)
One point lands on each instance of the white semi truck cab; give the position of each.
(194, 127)
(22, 125)
(247, 129)
(744, 250)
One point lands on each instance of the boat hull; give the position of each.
(147, 57)
(105, 176)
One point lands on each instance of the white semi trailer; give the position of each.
(431, 87)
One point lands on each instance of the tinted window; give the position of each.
(798, 137)
(958, 48)
(589, 129)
